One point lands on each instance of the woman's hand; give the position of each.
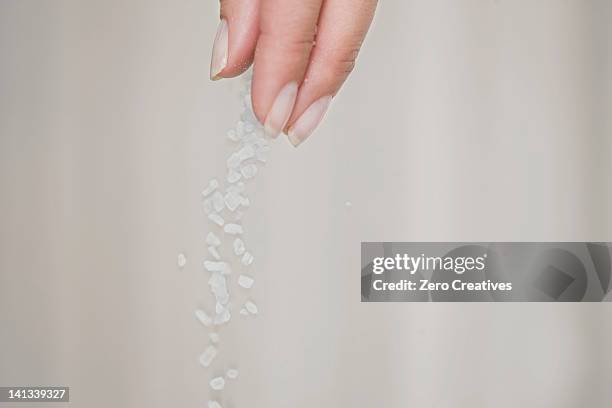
(302, 50)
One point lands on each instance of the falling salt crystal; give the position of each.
(246, 281)
(233, 176)
(348, 204)
(208, 356)
(240, 128)
(217, 383)
(231, 135)
(249, 127)
(232, 374)
(248, 171)
(234, 161)
(218, 202)
(223, 317)
(238, 246)
(251, 307)
(181, 260)
(244, 312)
(219, 308)
(214, 337)
(247, 259)
(233, 200)
(233, 229)
(214, 404)
(212, 239)
(203, 317)
(246, 202)
(246, 153)
(216, 266)
(214, 253)
(217, 219)
(208, 206)
(212, 186)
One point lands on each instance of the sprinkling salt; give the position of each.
(233, 229)
(217, 383)
(214, 253)
(212, 186)
(214, 404)
(246, 281)
(239, 247)
(208, 356)
(247, 259)
(217, 219)
(232, 374)
(212, 239)
(181, 260)
(203, 317)
(214, 337)
(348, 204)
(244, 312)
(246, 202)
(251, 307)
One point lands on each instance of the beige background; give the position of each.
(465, 120)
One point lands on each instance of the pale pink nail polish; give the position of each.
(220, 50)
(308, 122)
(281, 110)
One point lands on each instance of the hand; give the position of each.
(302, 51)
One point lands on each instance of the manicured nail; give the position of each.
(309, 121)
(219, 54)
(281, 110)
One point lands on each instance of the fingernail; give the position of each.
(219, 54)
(309, 121)
(281, 110)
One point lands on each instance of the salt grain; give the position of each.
(218, 202)
(214, 337)
(248, 171)
(208, 356)
(233, 229)
(231, 135)
(232, 374)
(214, 404)
(181, 260)
(244, 312)
(212, 239)
(239, 247)
(233, 176)
(217, 219)
(214, 253)
(246, 281)
(203, 317)
(251, 307)
(233, 161)
(222, 318)
(217, 266)
(212, 186)
(246, 153)
(233, 200)
(247, 259)
(217, 383)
